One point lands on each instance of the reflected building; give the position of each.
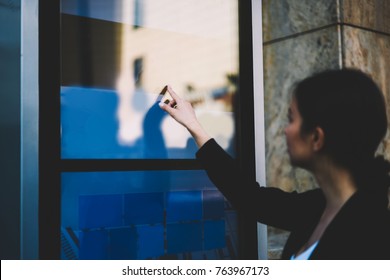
(116, 58)
(132, 49)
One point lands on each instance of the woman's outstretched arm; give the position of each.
(268, 205)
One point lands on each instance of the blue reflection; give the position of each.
(90, 128)
(154, 145)
(120, 215)
(143, 208)
(88, 124)
(213, 232)
(185, 237)
(184, 206)
(123, 244)
(150, 241)
(213, 205)
(96, 211)
(94, 245)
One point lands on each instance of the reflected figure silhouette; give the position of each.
(154, 144)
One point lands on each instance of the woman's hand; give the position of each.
(183, 112)
(180, 109)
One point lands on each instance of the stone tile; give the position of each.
(276, 240)
(372, 14)
(370, 52)
(283, 18)
(285, 63)
(275, 254)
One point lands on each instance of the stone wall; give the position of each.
(304, 36)
(366, 44)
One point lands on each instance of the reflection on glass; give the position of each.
(117, 56)
(145, 215)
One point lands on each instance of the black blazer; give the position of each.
(360, 230)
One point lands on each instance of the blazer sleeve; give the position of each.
(267, 205)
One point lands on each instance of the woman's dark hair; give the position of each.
(350, 108)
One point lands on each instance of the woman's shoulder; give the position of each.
(368, 216)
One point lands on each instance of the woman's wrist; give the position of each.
(198, 133)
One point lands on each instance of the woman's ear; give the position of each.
(318, 138)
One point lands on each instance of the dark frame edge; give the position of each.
(247, 230)
(49, 130)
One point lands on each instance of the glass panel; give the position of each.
(117, 56)
(145, 215)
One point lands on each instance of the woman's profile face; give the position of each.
(298, 144)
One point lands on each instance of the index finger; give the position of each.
(173, 94)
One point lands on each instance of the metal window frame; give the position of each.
(51, 165)
(258, 93)
(29, 131)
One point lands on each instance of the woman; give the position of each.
(337, 119)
